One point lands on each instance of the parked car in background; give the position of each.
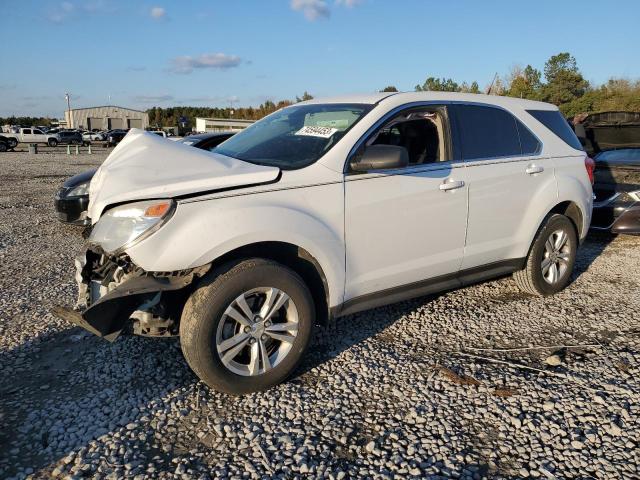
(9, 142)
(323, 209)
(93, 137)
(72, 199)
(34, 135)
(69, 137)
(160, 133)
(114, 137)
(206, 141)
(4, 144)
(613, 138)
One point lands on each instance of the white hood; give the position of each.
(146, 166)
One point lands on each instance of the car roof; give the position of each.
(409, 97)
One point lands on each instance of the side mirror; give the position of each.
(380, 157)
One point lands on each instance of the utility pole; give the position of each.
(68, 97)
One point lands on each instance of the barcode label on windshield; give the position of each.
(322, 132)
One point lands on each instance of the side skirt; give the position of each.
(429, 286)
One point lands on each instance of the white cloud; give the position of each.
(221, 61)
(61, 12)
(312, 9)
(158, 13)
(152, 98)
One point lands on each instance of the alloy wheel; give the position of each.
(257, 331)
(557, 254)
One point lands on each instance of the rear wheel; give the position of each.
(246, 328)
(4, 147)
(551, 258)
(52, 142)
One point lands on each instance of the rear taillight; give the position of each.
(590, 165)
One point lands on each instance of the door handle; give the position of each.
(533, 169)
(451, 185)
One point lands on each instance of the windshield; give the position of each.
(294, 137)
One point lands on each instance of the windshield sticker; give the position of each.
(321, 132)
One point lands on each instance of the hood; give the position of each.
(609, 131)
(145, 166)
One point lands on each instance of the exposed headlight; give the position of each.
(79, 190)
(123, 226)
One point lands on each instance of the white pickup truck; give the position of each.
(34, 135)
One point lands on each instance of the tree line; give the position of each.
(560, 82)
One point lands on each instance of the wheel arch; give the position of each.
(572, 211)
(296, 258)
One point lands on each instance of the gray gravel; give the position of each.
(383, 394)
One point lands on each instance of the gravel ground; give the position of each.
(382, 394)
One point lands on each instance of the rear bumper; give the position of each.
(628, 222)
(618, 214)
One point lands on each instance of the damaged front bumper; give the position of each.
(114, 293)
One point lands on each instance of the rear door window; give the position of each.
(554, 121)
(487, 132)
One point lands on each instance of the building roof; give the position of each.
(107, 106)
(226, 120)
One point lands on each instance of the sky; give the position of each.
(140, 54)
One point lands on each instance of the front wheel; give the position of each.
(246, 328)
(52, 142)
(4, 147)
(12, 143)
(551, 258)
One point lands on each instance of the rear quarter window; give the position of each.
(554, 121)
(528, 141)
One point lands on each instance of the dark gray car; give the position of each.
(613, 140)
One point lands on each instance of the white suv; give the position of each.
(322, 209)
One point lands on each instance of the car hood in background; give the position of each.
(146, 166)
(610, 130)
(79, 178)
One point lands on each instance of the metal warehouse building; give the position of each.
(221, 124)
(106, 118)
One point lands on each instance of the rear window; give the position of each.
(554, 121)
(487, 132)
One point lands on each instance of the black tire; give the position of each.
(531, 279)
(52, 142)
(204, 310)
(12, 143)
(4, 147)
